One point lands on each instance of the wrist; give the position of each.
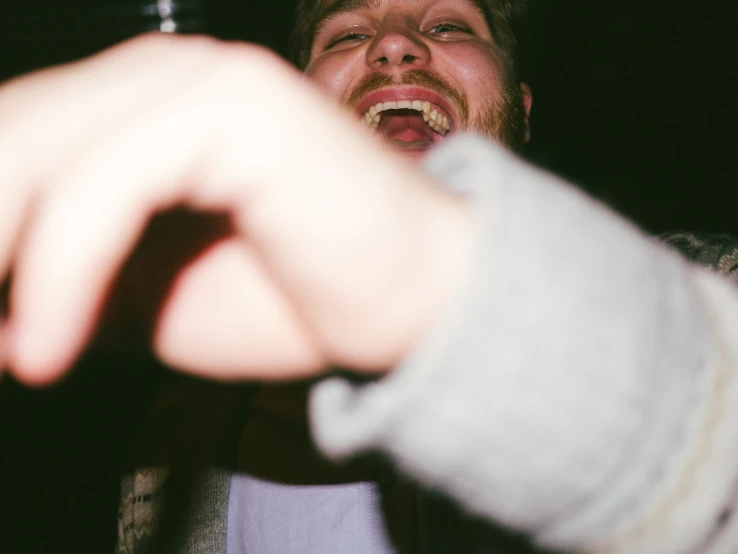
(431, 259)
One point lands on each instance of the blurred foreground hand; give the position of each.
(340, 253)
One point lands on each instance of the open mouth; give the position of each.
(408, 120)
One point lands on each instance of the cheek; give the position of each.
(478, 71)
(333, 74)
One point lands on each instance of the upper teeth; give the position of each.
(433, 115)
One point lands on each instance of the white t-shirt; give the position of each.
(265, 517)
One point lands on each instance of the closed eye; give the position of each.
(448, 28)
(346, 38)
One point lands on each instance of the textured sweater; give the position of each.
(580, 390)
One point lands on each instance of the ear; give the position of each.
(527, 97)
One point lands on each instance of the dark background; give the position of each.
(634, 100)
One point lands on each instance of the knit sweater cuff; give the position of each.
(559, 392)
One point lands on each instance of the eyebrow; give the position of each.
(338, 7)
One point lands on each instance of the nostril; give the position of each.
(408, 58)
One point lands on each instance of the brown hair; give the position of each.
(505, 18)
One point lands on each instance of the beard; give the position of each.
(503, 121)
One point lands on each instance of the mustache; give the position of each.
(414, 77)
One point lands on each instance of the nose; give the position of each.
(395, 47)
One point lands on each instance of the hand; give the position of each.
(340, 254)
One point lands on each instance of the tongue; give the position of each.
(405, 127)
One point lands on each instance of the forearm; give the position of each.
(580, 390)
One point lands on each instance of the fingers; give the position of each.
(49, 116)
(93, 212)
(73, 247)
(83, 228)
(55, 123)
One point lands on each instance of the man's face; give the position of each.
(417, 71)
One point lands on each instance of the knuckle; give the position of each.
(149, 42)
(230, 61)
(168, 45)
(248, 64)
(250, 55)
